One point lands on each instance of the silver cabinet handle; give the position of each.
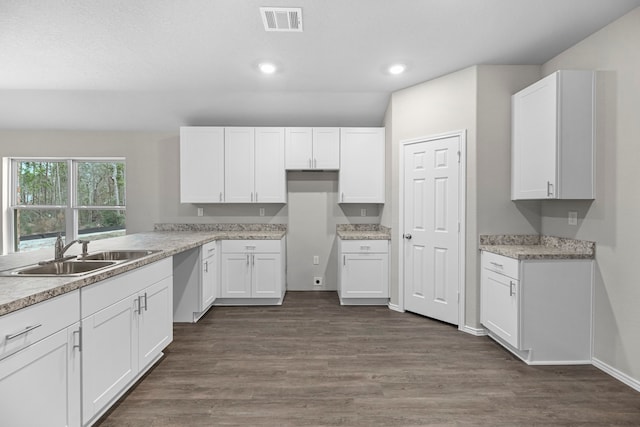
(407, 236)
(549, 189)
(256, 196)
(139, 309)
(206, 266)
(221, 196)
(309, 163)
(22, 332)
(344, 260)
(315, 163)
(495, 264)
(365, 248)
(145, 302)
(511, 284)
(252, 196)
(79, 345)
(253, 260)
(247, 259)
(342, 197)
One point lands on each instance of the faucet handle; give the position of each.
(85, 246)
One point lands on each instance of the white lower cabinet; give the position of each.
(363, 276)
(195, 282)
(539, 309)
(252, 271)
(40, 364)
(126, 323)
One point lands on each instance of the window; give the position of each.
(78, 198)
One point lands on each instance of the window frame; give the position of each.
(71, 209)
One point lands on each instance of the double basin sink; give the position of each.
(81, 265)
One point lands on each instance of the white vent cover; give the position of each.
(281, 18)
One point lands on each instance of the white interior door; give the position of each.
(431, 230)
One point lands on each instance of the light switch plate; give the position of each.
(573, 218)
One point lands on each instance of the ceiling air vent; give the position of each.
(281, 18)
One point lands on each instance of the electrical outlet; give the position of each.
(200, 211)
(363, 212)
(261, 211)
(573, 218)
(316, 260)
(317, 281)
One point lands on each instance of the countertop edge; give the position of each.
(74, 283)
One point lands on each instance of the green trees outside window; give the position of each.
(76, 197)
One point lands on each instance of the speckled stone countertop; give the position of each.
(363, 232)
(17, 292)
(525, 246)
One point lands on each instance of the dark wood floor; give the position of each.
(312, 362)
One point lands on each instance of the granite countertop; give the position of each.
(363, 232)
(523, 247)
(17, 292)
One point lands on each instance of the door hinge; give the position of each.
(459, 154)
(458, 226)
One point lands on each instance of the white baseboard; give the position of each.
(620, 376)
(395, 307)
(478, 332)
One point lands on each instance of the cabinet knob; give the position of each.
(407, 236)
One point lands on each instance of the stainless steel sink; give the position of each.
(118, 255)
(63, 268)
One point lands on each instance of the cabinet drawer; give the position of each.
(208, 250)
(109, 291)
(500, 264)
(31, 324)
(377, 246)
(242, 246)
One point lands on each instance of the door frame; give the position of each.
(462, 197)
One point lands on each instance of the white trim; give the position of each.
(395, 307)
(617, 374)
(478, 332)
(462, 197)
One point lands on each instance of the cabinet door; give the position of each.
(209, 283)
(534, 147)
(270, 174)
(235, 281)
(155, 320)
(267, 275)
(326, 148)
(500, 306)
(109, 354)
(298, 148)
(365, 275)
(201, 164)
(239, 165)
(40, 385)
(362, 171)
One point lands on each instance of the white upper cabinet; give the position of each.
(201, 164)
(312, 148)
(254, 165)
(362, 165)
(239, 159)
(553, 138)
(270, 174)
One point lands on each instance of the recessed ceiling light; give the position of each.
(267, 68)
(397, 69)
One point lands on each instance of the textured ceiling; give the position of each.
(159, 64)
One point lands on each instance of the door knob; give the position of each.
(407, 236)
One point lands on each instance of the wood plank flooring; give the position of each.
(312, 362)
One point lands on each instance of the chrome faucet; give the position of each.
(60, 248)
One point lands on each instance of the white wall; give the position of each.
(441, 105)
(611, 219)
(142, 151)
(478, 100)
